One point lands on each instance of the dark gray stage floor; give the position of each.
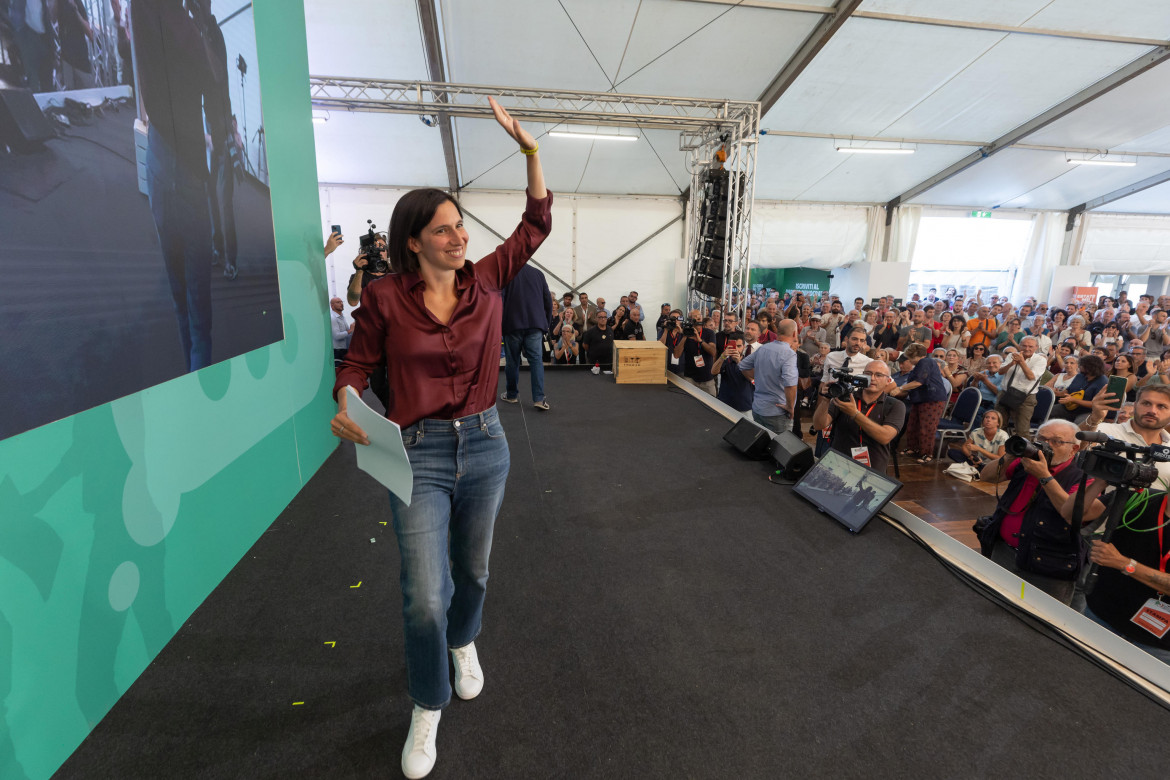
(656, 609)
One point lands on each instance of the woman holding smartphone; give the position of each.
(435, 321)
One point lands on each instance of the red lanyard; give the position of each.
(861, 443)
(1163, 557)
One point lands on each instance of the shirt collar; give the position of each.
(463, 278)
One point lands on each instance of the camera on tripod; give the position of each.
(846, 385)
(1116, 462)
(375, 263)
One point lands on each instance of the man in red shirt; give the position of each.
(1027, 534)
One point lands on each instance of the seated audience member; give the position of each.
(1123, 367)
(976, 358)
(735, 389)
(567, 350)
(954, 372)
(1074, 403)
(774, 369)
(696, 351)
(1060, 382)
(905, 368)
(1109, 335)
(864, 424)
(1027, 534)
(632, 328)
(598, 343)
(1131, 563)
(984, 444)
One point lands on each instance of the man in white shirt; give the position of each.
(342, 328)
(1143, 429)
(1021, 370)
(851, 357)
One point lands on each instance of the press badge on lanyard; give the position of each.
(861, 453)
(1154, 616)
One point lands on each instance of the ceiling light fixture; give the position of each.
(592, 136)
(875, 150)
(1120, 162)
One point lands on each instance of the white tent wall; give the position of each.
(589, 233)
(1042, 257)
(788, 235)
(1126, 243)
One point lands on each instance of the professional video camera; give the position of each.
(846, 385)
(690, 326)
(375, 263)
(1105, 463)
(1019, 447)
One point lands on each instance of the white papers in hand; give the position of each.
(384, 458)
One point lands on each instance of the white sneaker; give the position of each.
(418, 755)
(468, 673)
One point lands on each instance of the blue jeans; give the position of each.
(530, 340)
(178, 203)
(777, 423)
(444, 539)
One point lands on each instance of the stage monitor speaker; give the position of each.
(748, 438)
(23, 126)
(792, 455)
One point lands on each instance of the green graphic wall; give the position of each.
(116, 523)
(806, 280)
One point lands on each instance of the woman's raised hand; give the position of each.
(512, 126)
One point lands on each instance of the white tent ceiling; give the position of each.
(915, 70)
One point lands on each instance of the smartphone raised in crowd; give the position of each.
(1116, 386)
(336, 229)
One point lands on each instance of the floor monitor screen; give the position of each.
(846, 490)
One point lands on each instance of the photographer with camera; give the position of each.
(1127, 597)
(370, 265)
(1022, 372)
(858, 416)
(696, 351)
(735, 389)
(1027, 534)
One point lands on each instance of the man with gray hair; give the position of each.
(1021, 373)
(1027, 534)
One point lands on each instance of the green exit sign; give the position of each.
(981, 214)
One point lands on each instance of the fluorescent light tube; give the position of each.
(1101, 161)
(873, 150)
(592, 136)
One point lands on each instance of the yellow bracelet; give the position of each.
(530, 152)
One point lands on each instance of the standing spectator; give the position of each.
(33, 28)
(730, 325)
(663, 316)
(735, 389)
(983, 328)
(583, 312)
(767, 333)
(1011, 334)
(632, 327)
(696, 350)
(527, 306)
(851, 357)
(619, 317)
(601, 305)
(598, 343)
(927, 393)
(887, 335)
(672, 337)
(773, 368)
(812, 337)
(956, 335)
(832, 322)
(1156, 334)
(75, 33)
(342, 329)
(918, 333)
(632, 303)
(566, 320)
(1022, 371)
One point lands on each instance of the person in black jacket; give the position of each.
(598, 343)
(1027, 534)
(527, 307)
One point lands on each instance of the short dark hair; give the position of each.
(413, 212)
(1158, 388)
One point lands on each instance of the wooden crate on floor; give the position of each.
(639, 362)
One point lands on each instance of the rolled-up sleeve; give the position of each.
(789, 375)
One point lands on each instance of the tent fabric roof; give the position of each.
(915, 70)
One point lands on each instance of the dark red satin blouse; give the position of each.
(436, 370)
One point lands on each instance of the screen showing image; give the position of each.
(848, 491)
(137, 238)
